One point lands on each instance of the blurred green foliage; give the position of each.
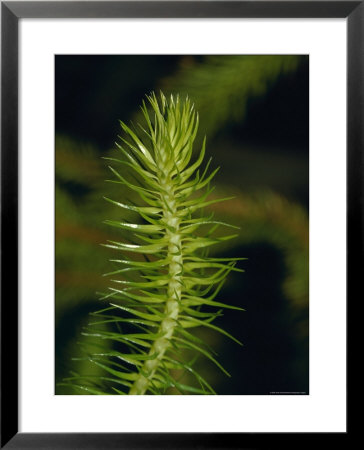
(265, 182)
(221, 86)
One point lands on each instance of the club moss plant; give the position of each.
(164, 284)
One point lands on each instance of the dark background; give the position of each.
(263, 152)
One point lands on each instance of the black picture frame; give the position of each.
(11, 12)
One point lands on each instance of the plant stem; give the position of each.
(173, 294)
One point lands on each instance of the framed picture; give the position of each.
(155, 97)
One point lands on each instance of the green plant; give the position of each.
(222, 85)
(164, 284)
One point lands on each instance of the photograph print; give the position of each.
(182, 224)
